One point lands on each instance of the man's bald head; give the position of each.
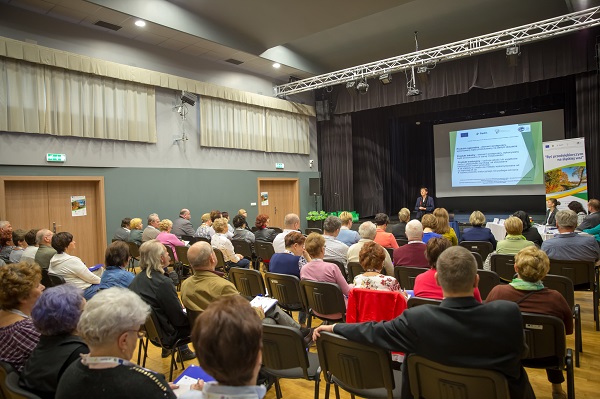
(201, 256)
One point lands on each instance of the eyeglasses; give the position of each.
(140, 333)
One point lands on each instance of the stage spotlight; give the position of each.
(188, 98)
(512, 56)
(351, 87)
(386, 78)
(362, 86)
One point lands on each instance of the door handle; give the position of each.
(276, 210)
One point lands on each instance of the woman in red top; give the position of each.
(383, 238)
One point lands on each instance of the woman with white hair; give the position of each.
(110, 325)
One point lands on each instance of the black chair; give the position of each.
(545, 337)
(264, 250)
(55, 279)
(196, 239)
(504, 266)
(245, 249)
(284, 355)
(45, 279)
(361, 369)
(171, 255)
(277, 229)
(340, 266)
(487, 280)
(134, 253)
(354, 269)
(478, 259)
(390, 252)
(483, 248)
(192, 315)
(248, 282)
(185, 237)
(9, 384)
(221, 265)
(323, 300)
(406, 275)
(565, 286)
(431, 380)
(416, 301)
(401, 241)
(286, 289)
(183, 266)
(313, 230)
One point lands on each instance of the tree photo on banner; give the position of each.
(78, 207)
(565, 173)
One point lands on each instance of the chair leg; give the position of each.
(317, 387)
(173, 363)
(277, 388)
(595, 296)
(327, 387)
(337, 391)
(570, 376)
(578, 339)
(145, 352)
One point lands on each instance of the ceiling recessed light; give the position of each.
(276, 65)
(140, 23)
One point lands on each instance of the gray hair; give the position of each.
(414, 230)
(39, 237)
(566, 218)
(4, 223)
(109, 314)
(150, 253)
(152, 217)
(367, 230)
(331, 224)
(456, 269)
(290, 220)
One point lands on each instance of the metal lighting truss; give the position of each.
(507, 38)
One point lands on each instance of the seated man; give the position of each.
(182, 225)
(334, 249)
(460, 332)
(413, 253)
(593, 218)
(291, 222)
(367, 232)
(151, 231)
(122, 233)
(568, 245)
(347, 235)
(45, 251)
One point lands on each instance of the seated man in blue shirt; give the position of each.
(568, 245)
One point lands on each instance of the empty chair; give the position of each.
(503, 265)
(431, 380)
(483, 248)
(323, 300)
(134, 253)
(284, 355)
(406, 275)
(354, 269)
(487, 280)
(286, 289)
(248, 282)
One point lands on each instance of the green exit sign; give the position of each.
(279, 165)
(56, 157)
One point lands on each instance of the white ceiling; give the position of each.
(307, 37)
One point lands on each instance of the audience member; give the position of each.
(230, 228)
(151, 231)
(429, 223)
(443, 225)
(514, 240)
(568, 245)
(594, 232)
(220, 241)
(528, 291)
(346, 234)
(426, 285)
(413, 253)
(460, 332)
(294, 257)
(424, 204)
(110, 325)
(551, 204)
(398, 230)
(116, 258)
(20, 289)
(291, 222)
(32, 248)
(367, 232)
(158, 291)
(205, 228)
(136, 234)
(593, 218)
(182, 225)
(45, 252)
(214, 215)
(334, 249)
(241, 231)
(242, 212)
(18, 239)
(478, 232)
(70, 267)
(529, 232)
(371, 259)
(167, 238)
(6, 244)
(263, 232)
(122, 233)
(383, 238)
(577, 207)
(55, 315)
(228, 340)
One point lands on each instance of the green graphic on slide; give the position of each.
(533, 142)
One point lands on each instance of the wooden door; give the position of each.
(45, 202)
(283, 197)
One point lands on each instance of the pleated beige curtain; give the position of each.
(35, 98)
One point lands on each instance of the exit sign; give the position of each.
(279, 165)
(56, 157)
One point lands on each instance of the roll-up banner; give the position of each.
(565, 171)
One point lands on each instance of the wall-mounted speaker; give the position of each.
(314, 186)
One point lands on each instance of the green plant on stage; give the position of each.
(316, 215)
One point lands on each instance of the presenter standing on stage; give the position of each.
(424, 203)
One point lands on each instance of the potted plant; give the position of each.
(315, 219)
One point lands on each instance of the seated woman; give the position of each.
(425, 283)
(110, 325)
(167, 238)
(116, 258)
(371, 259)
(70, 267)
(429, 223)
(18, 238)
(264, 233)
(528, 291)
(403, 217)
(204, 229)
(576, 207)
(220, 241)
(316, 269)
(383, 238)
(20, 289)
(55, 315)
(241, 231)
(294, 257)
(514, 240)
(135, 231)
(550, 218)
(158, 291)
(529, 232)
(443, 225)
(478, 232)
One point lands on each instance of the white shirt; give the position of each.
(279, 241)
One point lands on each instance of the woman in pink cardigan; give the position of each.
(317, 270)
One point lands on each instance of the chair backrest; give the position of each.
(55, 279)
(545, 337)
(313, 230)
(5, 370)
(487, 280)
(248, 282)
(578, 271)
(277, 229)
(185, 237)
(286, 289)
(340, 266)
(153, 330)
(416, 301)
(357, 366)
(406, 276)
(171, 254)
(562, 284)
(503, 265)
(182, 252)
(196, 239)
(390, 252)
(483, 248)
(374, 305)
(220, 259)
(284, 349)
(134, 250)
(354, 269)
(243, 248)
(192, 315)
(478, 259)
(14, 390)
(45, 279)
(431, 380)
(401, 241)
(322, 298)
(264, 249)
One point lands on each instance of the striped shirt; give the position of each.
(17, 341)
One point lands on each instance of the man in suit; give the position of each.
(569, 245)
(182, 225)
(593, 219)
(151, 231)
(45, 251)
(122, 233)
(460, 332)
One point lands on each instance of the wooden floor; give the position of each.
(587, 377)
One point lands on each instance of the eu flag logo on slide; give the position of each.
(547, 145)
(464, 135)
